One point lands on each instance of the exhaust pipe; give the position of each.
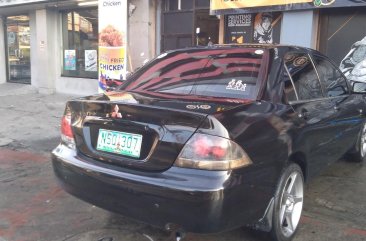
(174, 228)
(179, 235)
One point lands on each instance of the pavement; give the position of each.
(34, 207)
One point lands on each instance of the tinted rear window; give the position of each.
(228, 73)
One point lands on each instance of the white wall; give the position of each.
(76, 86)
(159, 6)
(33, 47)
(141, 38)
(2, 53)
(300, 28)
(43, 49)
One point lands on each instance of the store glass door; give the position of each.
(18, 49)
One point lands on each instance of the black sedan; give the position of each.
(210, 139)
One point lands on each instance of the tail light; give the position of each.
(67, 136)
(212, 153)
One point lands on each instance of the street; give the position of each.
(34, 207)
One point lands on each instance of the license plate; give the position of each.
(122, 143)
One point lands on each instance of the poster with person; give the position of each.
(267, 28)
(70, 59)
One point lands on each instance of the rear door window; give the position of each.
(332, 79)
(303, 75)
(228, 73)
(290, 92)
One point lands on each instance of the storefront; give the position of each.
(53, 45)
(343, 37)
(334, 27)
(267, 21)
(187, 23)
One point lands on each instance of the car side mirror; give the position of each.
(359, 87)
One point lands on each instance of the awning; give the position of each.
(220, 7)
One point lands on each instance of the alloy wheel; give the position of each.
(363, 141)
(291, 204)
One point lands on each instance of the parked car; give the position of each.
(212, 138)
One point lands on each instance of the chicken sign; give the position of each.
(112, 43)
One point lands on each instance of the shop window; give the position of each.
(208, 26)
(176, 5)
(191, 25)
(202, 4)
(177, 42)
(80, 43)
(171, 20)
(187, 4)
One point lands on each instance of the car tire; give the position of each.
(288, 203)
(358, 153)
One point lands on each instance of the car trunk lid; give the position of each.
(162, 126)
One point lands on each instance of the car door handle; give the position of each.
(303, 113)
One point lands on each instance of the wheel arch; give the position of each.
(265, 223)
(300, 159)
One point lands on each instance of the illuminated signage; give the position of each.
(219, 7)
(232, 4)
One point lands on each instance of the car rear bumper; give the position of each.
(195, 200)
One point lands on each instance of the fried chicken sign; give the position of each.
(112, 43)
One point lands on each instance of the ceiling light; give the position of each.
(88, 3)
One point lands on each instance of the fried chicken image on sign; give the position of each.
(110, 37)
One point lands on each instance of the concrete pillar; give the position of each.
(300, 28)
(43, 46)
(222, 30)
(141, 37)
(2, 52)
(159, 9)
(33, 47)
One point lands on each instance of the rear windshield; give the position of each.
(227, 73)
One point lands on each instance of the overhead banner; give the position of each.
(112, 43)
(228, 4)
(219, 7)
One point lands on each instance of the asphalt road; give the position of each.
(34, 207)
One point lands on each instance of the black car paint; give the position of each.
(270, 130)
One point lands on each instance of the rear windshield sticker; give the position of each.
(300, 61)
(289, 58)
(236, 85)
(259, 51)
